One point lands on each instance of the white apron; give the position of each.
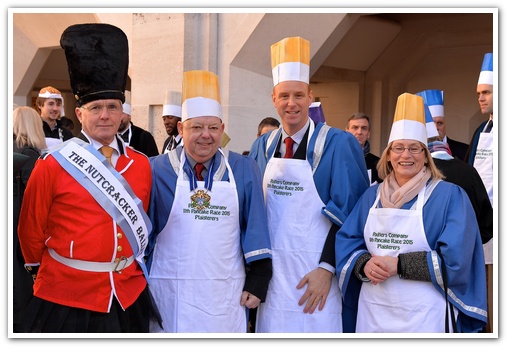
(52, 142)
(197, 275)
(483, 163)
(398, 305)
(298, 231)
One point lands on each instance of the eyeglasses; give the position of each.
(412, 150)
(99, 109)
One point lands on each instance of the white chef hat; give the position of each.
(127, 106)
(172, 104)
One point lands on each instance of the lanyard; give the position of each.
(208, 181)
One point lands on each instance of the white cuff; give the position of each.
(327, 267)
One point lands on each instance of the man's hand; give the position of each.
(319, 284)
(249, 300)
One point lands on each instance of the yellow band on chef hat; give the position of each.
(200, 95)
(172, 104)
(290, 60)
(409, 119)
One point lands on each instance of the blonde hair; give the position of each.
(384, 166)
(27, 128)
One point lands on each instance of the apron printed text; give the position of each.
(282, 187)
(212, 213)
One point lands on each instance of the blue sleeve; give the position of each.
(452, 233)
(253, 219)
(341, 177)
(258, 152)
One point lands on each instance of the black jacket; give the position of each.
(458, 149)
(143, 141)
(466, 176)
(55, 133)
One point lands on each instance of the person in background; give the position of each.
(434, 98)
(411, 246)
(480, 155)
(171, 115)
(359, 125)
(209, 255)
(462, 174)
(67, 123)
(313, 175)
(29, 140)
(50, 104)
(267, 124)
(83, 226)
(134, 136)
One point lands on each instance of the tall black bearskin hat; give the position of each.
(98, 59)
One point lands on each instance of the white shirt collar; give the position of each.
(97, 145)
(297, 137)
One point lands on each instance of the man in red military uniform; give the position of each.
(83, 227)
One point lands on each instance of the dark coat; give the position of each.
(25, 159)
(55, 133)
(458, 149)
(143, 141)
(466, 176)
(371, 164)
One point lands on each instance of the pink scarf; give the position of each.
(394, 196)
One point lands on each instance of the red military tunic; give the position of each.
(59, 213)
